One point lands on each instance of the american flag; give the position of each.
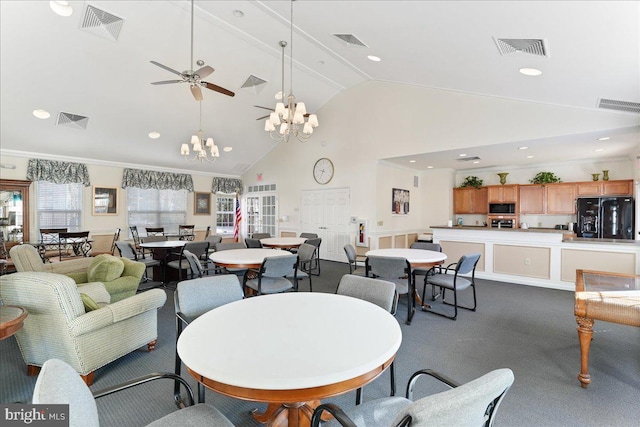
(236, 226)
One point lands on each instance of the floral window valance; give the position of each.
(158, 180)
(226, 185)
(57, 172)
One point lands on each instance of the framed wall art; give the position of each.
(202, 204)
(105, 200)
(400, 201)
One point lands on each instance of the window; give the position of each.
(59, 205)
(157, 208)
(261, 214)
(225, 213)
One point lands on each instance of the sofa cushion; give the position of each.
(105, 268)
(89, 303)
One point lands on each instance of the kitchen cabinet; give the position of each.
(561, 198)
(470, 200)
(592, 188)
(617, 188)
(14, 211)
(502, 193)
(532, 199)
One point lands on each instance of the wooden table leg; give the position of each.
(585, 335)
(287, 414)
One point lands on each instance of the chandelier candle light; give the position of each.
(289, 117)
(200, 146)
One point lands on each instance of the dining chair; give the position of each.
(353, 258)
(379, 292)
(315, 265)
(226, 246)
(195, 297)
(154, 231)
(309, 235)
(451, 279)
(306, 254)
(213, 239)
(50, 241)
(127, 250)
(252, 243)
(136, 237)
(272, 275)
(474, 403)
(186, 232)
(398, 271)
(116, 237)
(199, 249)
(207, 232)
(422, 271)
(59, 383)
(260, 236)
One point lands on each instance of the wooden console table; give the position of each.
(604, 296)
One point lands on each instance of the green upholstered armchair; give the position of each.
(86, 270)
(62, 325)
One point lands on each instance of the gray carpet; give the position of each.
(530, 330)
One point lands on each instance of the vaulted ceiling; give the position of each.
(100, 68)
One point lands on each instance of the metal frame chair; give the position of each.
(272, 275)
(252, 243)
(199, 249)
(396, 270)
(127, 250)
(314, 267)
(306, 254)
(154, 231)
(466, 264)
(352, 258)
(186, 232)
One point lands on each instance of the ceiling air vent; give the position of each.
(350, 40)
(531, 46)
(467, 159)
(254, 84)
(101, 23)
(612, 104)
(72, 121)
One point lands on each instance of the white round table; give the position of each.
(306, 347)
(282, 242)
(416, 257)
(244, 258)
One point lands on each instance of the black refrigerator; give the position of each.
(605, 217)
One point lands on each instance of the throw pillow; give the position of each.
(89, 303)
(105, 268)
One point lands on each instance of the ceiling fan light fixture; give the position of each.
(200, 145)
(62, 8)
(41, 114)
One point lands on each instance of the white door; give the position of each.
(326, 212)
(261, 214)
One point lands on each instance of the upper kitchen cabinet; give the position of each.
(470, 200)
(532, 199)
(14, 211)
(503, 193)
(604, 188)
(561, 198)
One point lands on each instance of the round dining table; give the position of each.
(161, 250)
(11, 319)
(244, 258)
(282, 242)
(306, 347)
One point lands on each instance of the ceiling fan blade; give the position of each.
(171, 70)
(264, 108)
(264, 117)
(204, 71)
(166, 82)
(217, 88)
(196, 92)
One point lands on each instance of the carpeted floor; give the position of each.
(530, 330)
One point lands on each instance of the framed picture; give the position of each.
(202, 204)
(400, 202)
(105, 200)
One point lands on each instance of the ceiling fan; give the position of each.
(273, 111)
(194, 78)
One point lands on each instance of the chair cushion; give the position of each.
(105, 268)
(197, 415)
(89, 303)
(378, 412)
(270, 285)
(446, 281)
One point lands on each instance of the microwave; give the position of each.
(502, 208)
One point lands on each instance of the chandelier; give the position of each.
(287, 118)
(200, 146)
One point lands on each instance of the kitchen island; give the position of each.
(542, 257)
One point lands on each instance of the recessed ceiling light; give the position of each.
(227, 149)
(530, 157)
(604, 138)
(476, 161)
(238, 13)
(530, 71)
(412, 161)
(41, 114)
(374, 58)
(462, 155)
(154, 135)
(62, 8)
(429, 167)
(597, 150)
(523, 148)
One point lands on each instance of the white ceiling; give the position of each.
(49, 62)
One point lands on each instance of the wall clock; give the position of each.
(323, 171)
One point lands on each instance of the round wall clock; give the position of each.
(323, 171)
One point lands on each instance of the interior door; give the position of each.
(326, 212)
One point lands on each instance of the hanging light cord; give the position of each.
(291, 52)
(192, 70)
